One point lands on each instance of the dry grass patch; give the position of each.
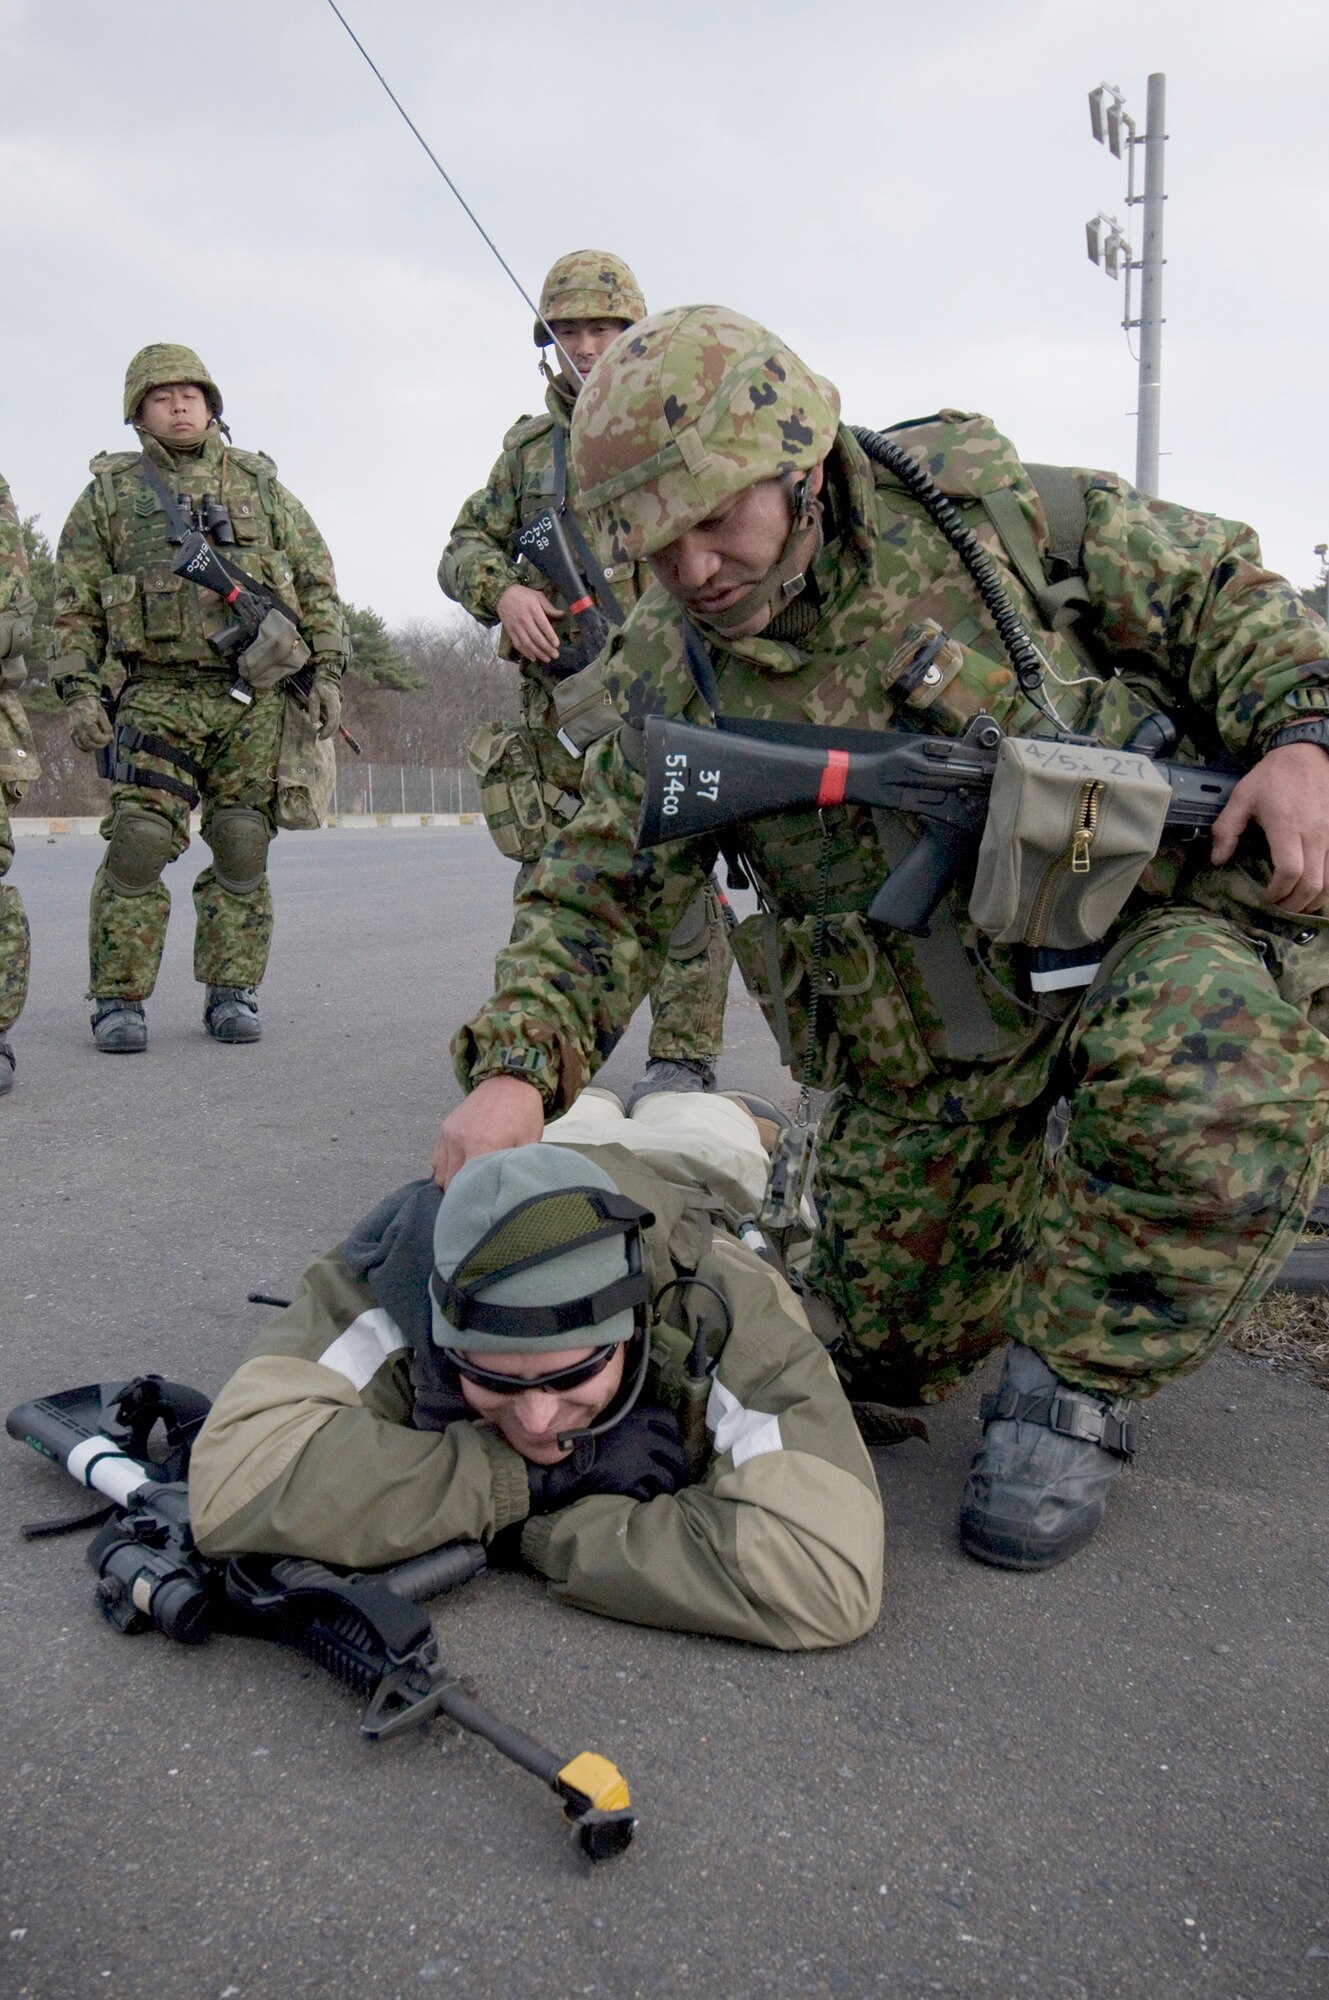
(1290, 1330)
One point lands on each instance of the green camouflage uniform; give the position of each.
(18, 753)
(118, 604)
(688, 998)
(1197, 1063)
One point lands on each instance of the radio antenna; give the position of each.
(568, 362)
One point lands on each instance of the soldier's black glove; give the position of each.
(642, 1456)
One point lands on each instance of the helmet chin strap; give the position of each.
(561, 380)
(787, 576)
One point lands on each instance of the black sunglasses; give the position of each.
(515, 1385)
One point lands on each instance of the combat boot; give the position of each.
(664, 1073)
(230, 1014)
(1038, 1486)
(119, 1027)
(6, 1065)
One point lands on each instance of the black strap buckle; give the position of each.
(1070, 1413)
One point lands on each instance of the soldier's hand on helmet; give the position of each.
(1287, 795)
(524, 616)
(500, 1112)
(325, 705)
(639, 1458)
(89, 724)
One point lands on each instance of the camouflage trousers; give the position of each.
(234, 752)
(14, 941)
(1198, 1138)
(688, 998)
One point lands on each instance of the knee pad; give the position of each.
(138, 849)
(238, 837)
(692, 932)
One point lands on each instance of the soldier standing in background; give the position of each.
(18, 767)
(530, 774)
(188, 726)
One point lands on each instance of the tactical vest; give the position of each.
(154, 618)
(945, 1022)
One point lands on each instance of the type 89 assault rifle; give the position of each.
(701, 781)
(365, 1628)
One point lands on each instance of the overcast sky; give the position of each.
(900, 189)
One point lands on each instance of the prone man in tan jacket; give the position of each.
(571, 1358)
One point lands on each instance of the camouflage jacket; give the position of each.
(117, 598)
(1179, 598)
(312, 1448)
(478, 565)
(18, 752)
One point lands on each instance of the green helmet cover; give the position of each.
(527, 1228)
(589, 284)
(683, 412)
(166, 361)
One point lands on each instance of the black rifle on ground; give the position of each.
(366, 1628)
(702, 781)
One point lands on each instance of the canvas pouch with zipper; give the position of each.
(1069, 831)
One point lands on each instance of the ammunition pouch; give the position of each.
(306, 770)
(140, 845)
(19, 763)
(16, 630)
(585, 712)
(277, 651)
(523, 810)
(1069, 832)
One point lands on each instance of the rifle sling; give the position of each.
(1061, 603)
(592, 570)
(697, 655)
(179, 526)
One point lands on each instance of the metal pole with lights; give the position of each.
(1114, 127)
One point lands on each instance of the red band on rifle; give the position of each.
(833, 779)
(231, 595)
(582, 604)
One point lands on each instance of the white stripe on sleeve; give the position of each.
(360, 1352)
(747, 1433)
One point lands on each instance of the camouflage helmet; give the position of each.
(589, 284)
(690, 408)
(166, 361)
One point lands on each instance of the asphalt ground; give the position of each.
(1106, 1781)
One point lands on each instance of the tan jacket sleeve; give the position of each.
(308, 1450)
(782, 1541)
